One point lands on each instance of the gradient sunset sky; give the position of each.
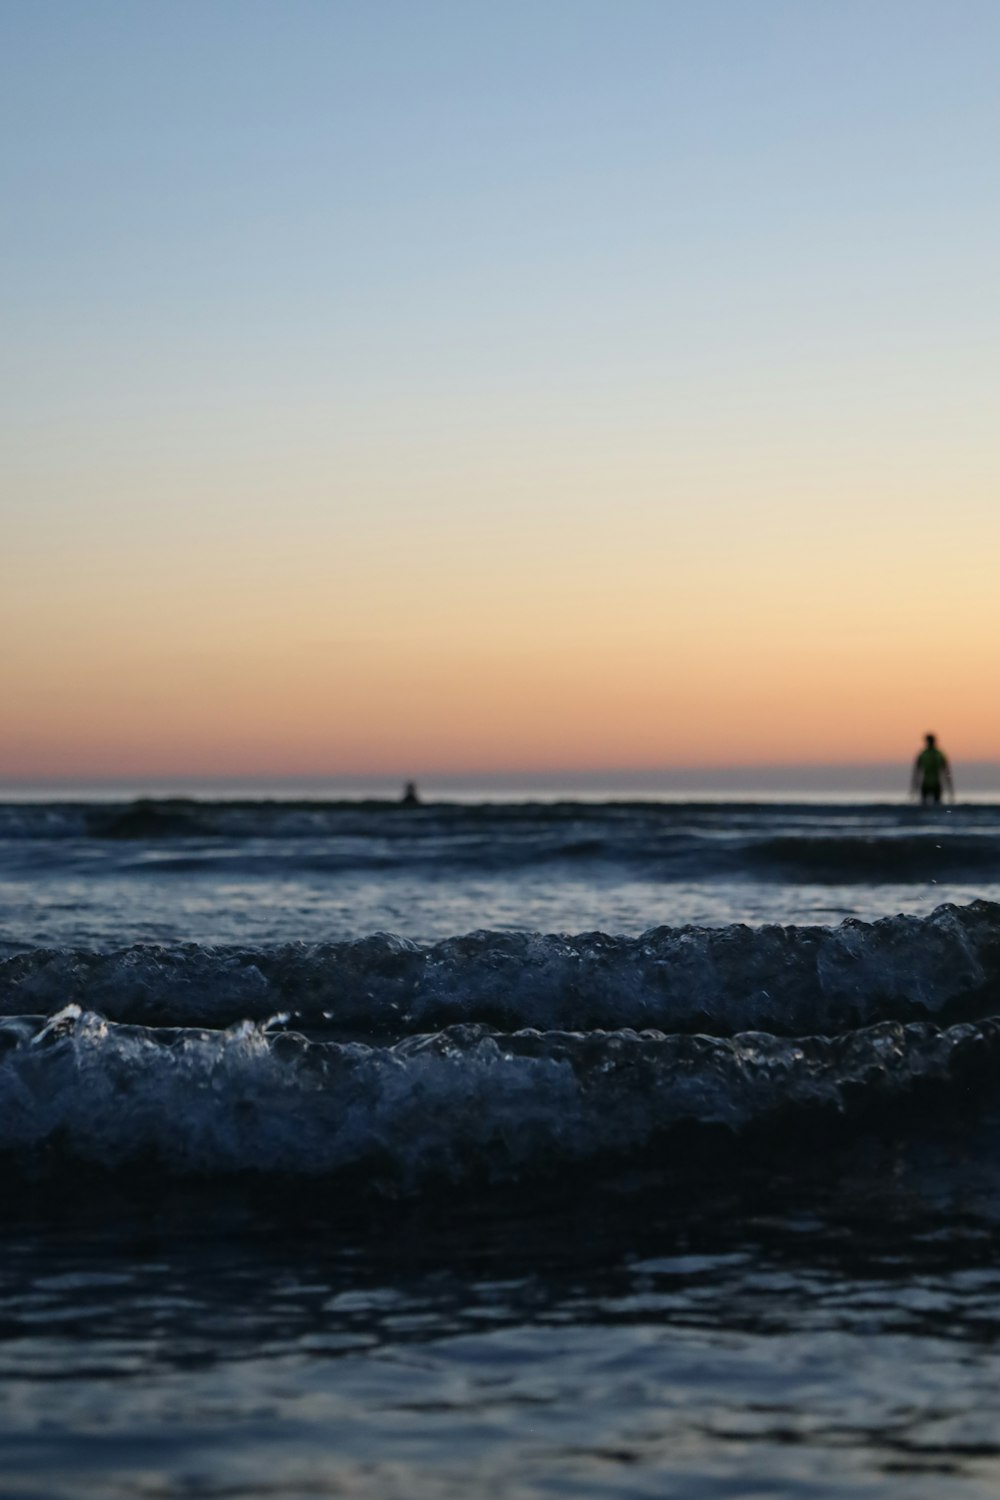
(398, 387)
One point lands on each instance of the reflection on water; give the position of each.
(80, 912)
(615, 1345)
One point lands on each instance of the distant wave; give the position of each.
(914, 857)
(653, 841)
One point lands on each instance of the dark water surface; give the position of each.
(669, 1206)
(621, 1341)
(229, 871)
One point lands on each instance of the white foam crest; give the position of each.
(463, 1102)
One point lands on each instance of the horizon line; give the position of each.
(716, 777)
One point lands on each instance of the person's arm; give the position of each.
(946, 780)
(916, 778)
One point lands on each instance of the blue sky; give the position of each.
(395, 201)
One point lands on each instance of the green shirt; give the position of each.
(932, 765)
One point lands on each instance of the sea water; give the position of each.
(521, 1149)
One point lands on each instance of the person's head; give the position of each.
(931, 741)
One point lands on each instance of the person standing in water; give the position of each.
(931, 773)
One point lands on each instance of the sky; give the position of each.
(429, 387)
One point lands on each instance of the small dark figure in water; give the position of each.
(410, 797)
(931, 773)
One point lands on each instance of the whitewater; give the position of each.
(523, 1148)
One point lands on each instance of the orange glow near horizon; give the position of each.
(463, 655)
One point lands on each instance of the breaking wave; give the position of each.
(789, 980)
(493, 1056)
(460, 1102)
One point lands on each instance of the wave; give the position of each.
(917, 857)
(788, 980)
(466, 1102)
(489, 1057)
(656, 841)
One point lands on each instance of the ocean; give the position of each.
(520, 1149)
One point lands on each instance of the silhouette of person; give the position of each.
(410, 797)
(931, 773)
